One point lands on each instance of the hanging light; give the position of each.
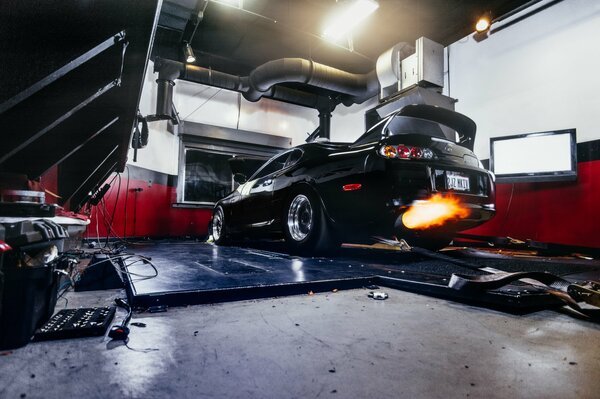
(189, 53)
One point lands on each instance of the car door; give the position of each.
(258, 191)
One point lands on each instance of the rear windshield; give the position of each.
(407, 125)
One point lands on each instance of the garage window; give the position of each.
(207, 176)
(209, 157)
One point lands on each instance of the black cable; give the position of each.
(123, 304)
(126, 201)
(112, 218)
(121, 331)
(201, 105)
(108, 227)
(104, 211)
(113, 179)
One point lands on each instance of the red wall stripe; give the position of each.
(562, 213)
(149, 212)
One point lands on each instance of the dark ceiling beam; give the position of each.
(53, 105)
(62, 141)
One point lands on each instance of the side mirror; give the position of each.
(240, 178)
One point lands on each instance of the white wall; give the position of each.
(205, 104)
(542, 73)
(348, 123)
(213, 106)
(162, 152)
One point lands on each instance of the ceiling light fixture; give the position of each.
(190, 57)
(345, 21)
(483, 24)
(234, 3)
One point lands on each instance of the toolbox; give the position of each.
(28, 301)
(29, 288)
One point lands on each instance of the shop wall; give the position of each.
(141, 203)
(538, 74)
(148, 186)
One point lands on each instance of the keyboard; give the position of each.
(75, 323)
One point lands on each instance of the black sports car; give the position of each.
(320, 194)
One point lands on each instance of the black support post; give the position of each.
(324, 122)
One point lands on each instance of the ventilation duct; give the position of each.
(263, 81)
(355, 87)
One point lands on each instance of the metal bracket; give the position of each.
(59, 73)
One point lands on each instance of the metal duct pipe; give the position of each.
(263, 81)
(169, 70)
(325, 123)
(300, 97)
(297, 70)
(164, 97)
(209, 77)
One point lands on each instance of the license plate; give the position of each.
(457, 181)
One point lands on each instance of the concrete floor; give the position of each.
(341, 344)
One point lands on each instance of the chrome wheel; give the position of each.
(217, 224)
(300, 218)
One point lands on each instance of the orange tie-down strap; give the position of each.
(571, 294)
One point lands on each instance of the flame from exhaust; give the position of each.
(434, 212)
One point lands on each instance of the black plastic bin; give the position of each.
(28, 301)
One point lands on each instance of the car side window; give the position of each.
(371, 135)
(294, 157)
(271, 166)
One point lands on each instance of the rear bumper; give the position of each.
(386, 194)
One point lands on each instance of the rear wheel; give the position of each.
(305, 226)
(219, 228)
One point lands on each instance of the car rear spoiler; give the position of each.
(464, 125)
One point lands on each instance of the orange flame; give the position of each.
(434, 212)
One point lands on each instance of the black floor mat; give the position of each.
(191, 273)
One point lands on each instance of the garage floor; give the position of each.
(340, 344)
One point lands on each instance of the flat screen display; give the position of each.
(546, 156)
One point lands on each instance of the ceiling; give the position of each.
(236, 40)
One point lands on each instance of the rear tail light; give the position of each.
(416, 152)
(4, 247)
(352, 187)
(388, 151)
(406, 152)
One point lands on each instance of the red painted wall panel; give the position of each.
(147, 213)
(563, 213)
(49, 182)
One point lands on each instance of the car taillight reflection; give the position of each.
(406, 152)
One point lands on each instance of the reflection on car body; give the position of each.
(320, 194)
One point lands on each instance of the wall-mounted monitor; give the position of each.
(534, 157)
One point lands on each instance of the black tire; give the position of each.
(219, 227)
(304, 237)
